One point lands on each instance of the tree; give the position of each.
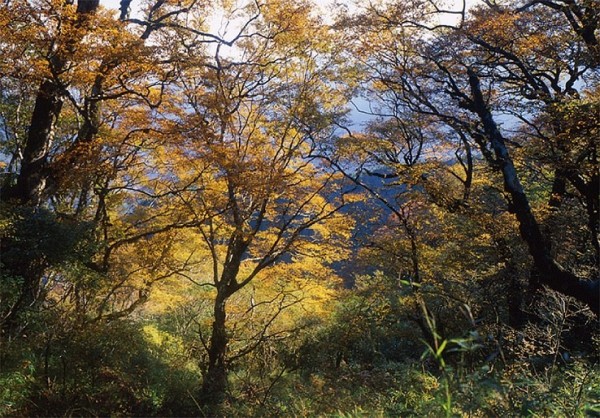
(583, 18)
(244, 131)
(465, 76)
(90, 124)
(76, 146)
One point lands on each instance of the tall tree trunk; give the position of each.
(215, 379)
(214, 384)
(551, 273)
(31, 180)
(33, 176)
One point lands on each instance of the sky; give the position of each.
(110, 3)
(453, 4)
(357, 116)
(113, 3)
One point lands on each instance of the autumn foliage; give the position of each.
(245, 208)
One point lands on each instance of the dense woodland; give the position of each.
(195, 223)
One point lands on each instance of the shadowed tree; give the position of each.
(468, 76)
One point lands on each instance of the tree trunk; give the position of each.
(214, 385)
(551, 273)
(87, 6)
(32, 177)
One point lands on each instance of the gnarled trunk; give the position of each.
(551, 273)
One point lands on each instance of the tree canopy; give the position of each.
(194, 223)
